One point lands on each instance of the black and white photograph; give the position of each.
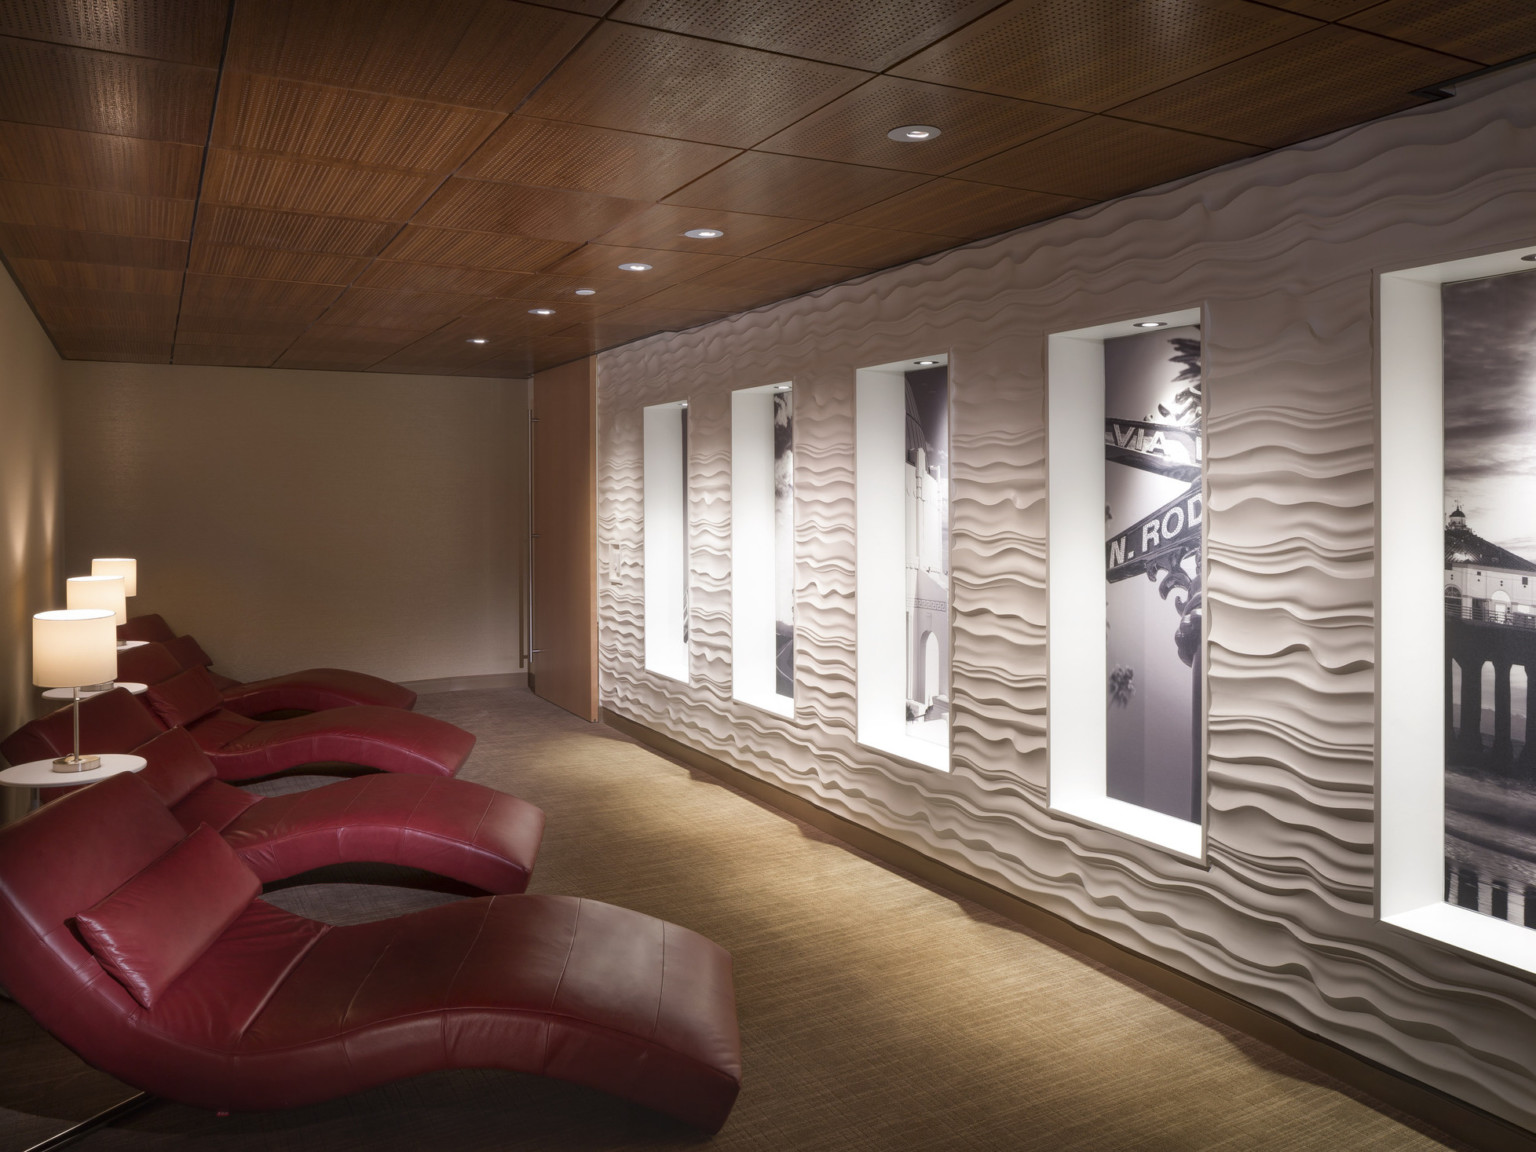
(1489, 338)
(784, 543)
(1154, 523)
(927, 536)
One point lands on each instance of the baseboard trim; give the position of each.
(466, 683)
(1456, 1118)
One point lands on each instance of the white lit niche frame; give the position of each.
(665, 514)
(1410, 634)
(1076, 730)
(754, 555)
(880, 562)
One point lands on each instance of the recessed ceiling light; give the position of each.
(586, 291)
(924, 363)
(1532, 256)
(912, 133)
(634, 267)
(1151, 324)
(541, 311)
(704, 233)
(475, 340)
(781, 388)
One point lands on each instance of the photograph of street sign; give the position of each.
(1154, 525)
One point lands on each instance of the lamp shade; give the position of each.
(73, 646)
(119, 566)
(97, 592)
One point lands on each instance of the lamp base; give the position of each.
(76, 763)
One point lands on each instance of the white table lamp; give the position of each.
(72, 648)
(119, 566)
(109, 592)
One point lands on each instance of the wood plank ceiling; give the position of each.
(380, 184)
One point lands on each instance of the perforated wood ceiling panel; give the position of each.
(847, 32)
(359, 184)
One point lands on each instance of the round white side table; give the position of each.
(64, 693)
(40, 773)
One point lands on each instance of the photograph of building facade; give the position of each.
(1490, 600)
(927, 552)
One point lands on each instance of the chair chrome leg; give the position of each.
(116, 1112)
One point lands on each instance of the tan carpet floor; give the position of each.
(876, 1013)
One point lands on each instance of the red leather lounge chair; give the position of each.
(146, 951)
(455, 828)
(388, 739)
(311, 690)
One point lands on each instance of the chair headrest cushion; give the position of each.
(186, 697)
(156, 925)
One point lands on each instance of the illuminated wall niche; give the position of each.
(901, 474)
(763, 548)
(1457, 636)
(666, 540)
(1125, 571)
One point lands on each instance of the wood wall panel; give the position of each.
(37, 155)
(244, 179)
(1291, 92)
(104, 92)
(853, 129)
(474, 136)
(183, 31)
(843, 32)
(270, 114)
(645, 81)
(625, 164)
(480, 54)
(1281, 251)
(1067, 53)
(563, 668)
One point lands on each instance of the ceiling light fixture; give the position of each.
(475, 340)
(586, 291)
(925, 363)
(634, 267)
(541, 311)
(913, 133)
(704, 233)
(1151, 324)
(1532, 256)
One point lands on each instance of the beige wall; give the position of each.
(291, 519)
(29, 494)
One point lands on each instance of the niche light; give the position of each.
(704, 233)
(1531, 257)
(475, 340)
(1151, 324)
(586, 291)
(541, 311)
(925, 363)
(634, 267)
(913, 133)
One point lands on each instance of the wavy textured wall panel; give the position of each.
(1282, 252)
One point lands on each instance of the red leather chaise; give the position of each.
(145, 950)
(388, 739)
(455, 828)
(312, 690)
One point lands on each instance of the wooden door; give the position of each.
(563, 658)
